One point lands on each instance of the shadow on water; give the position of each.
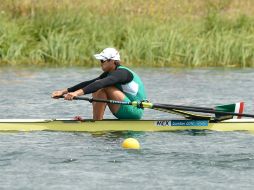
(193, 132)
(113, 135)
(118, 134)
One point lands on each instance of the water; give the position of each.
(172, 160)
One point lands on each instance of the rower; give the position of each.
(116, 83)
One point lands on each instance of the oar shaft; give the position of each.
(191, 107)
(199, 110)
(102, 100)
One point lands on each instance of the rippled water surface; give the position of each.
(168, 160)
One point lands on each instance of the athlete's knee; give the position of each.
(99, 92)
(110, 89)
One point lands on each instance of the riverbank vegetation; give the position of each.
(147, 32)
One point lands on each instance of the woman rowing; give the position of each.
(116, 83)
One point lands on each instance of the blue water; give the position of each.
(172, 160)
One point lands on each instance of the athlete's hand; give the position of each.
(70, 96)
(57, 94)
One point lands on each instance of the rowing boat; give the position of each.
(222, 121)
(88, 125)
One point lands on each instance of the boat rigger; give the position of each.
(87, 125)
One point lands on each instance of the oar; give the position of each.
(187, 115)
(237, 107)
(103, 101)
(195, 109)
(164, 106)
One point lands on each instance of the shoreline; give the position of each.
(181, 34)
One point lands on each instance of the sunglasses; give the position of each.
(103, 61)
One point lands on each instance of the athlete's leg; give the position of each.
(111, 93)
(99, 107)
(114, 93)
(122, 111)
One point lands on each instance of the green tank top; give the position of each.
(135, 89)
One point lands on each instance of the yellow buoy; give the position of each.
(130, 143)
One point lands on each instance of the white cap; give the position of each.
(108, 53)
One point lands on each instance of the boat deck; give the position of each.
(90, 125)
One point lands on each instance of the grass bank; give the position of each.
(154, 33)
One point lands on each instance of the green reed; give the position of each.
(70, 33)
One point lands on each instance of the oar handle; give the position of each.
(84, 98)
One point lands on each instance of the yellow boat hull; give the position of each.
(123, 125)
